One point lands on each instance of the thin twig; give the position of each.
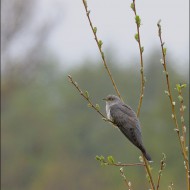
(162, 166)
(87, 98)
(182, 108)
(149, 173)
(183, 137)
(127, 183)
(99, 44)
(141, 49)
(163, 61)
(124, 165)
(110, 161)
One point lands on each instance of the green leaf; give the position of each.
(133, 6)
(164, 50)
(97, 107)
(138, 20)
(180, 98)
(104, 164)
(183, 85)
(98, 158)
(142, 49)
(100, 43)
(102, 158)
(178, 87)
(102, 53)
(87, 94)
(137, 37)
(110, 159)
(95, 29)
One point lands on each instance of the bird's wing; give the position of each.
(125, 118)
(123, 114)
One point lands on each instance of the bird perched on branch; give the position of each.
(126, 120)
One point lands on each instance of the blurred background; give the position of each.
(49, 137)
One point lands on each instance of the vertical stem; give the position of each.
(94, 30)
(128, 184)
(149, 173)
(142, 89)
(173, 105)
(141, 64)
(184, 138)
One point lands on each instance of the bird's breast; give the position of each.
(108, 112)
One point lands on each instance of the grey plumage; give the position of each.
(126, 120)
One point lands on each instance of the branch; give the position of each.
(128, 183)
(141, 49)
(162, 166)
(168, 92)
(86, 97)
(179, 88)
(99, 44)
(111, 162)
(147, 167)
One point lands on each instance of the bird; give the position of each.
(126, 120)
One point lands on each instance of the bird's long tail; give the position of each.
(146, 155)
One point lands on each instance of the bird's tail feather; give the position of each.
(146, 155)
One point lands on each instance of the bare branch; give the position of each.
(127, 183)
(141, 49)
(99, 44)
(172, 103)
(147, 167)
(86, 97)
(162, 166)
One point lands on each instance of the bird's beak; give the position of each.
(105, 99)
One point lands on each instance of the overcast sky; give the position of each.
(72, 40)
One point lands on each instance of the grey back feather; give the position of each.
(126, 120)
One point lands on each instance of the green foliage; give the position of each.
(111, 160)
(137, 37)
(164, 50)
(100, 43)
(142, 49)
(97, 107)
(95, 30)
(87, 94)
(138, 20)
(133, 6)
(104, 162)
(180, 86)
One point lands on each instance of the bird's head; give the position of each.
(112, 99)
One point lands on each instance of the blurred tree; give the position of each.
(50, 137)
